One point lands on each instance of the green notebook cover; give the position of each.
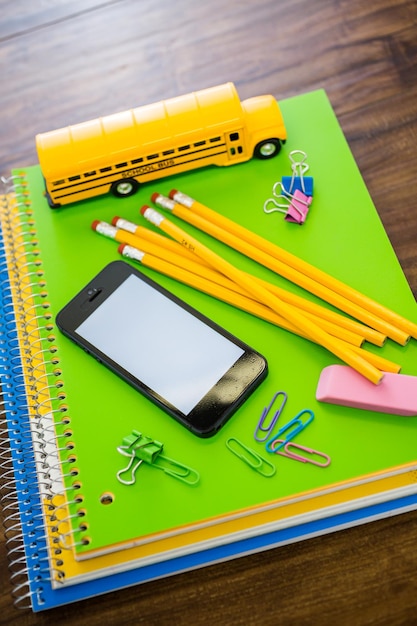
(342, 235)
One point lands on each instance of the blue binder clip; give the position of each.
(289, 430)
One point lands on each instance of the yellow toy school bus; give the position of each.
(119, 152)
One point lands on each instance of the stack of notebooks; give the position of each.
(73, 530)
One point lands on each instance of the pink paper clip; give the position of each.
(285, 450)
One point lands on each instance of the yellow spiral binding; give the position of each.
(38, 485)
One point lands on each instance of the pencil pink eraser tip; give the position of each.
(115, 220)
(154, 196)
(173, 193)
(143, 209)
(342, 385)
(121, 247)
(95, 224)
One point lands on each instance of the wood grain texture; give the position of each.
(65, 61)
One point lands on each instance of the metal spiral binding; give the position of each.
(39, 495)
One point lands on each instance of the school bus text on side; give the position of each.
(119, 152)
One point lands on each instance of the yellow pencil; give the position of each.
(202, 272)
(290, 313)
(156, 244)
(237, 300)
(257, 254)
(407, 326)
(207, 286)
(360, 332)
(149, 236)
(344, 331)
(379, 361)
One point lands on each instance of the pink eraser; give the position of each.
(396, 393)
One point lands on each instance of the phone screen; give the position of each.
(160, 343)
(177, 357)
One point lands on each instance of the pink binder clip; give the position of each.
(297, 209)
(299, 206)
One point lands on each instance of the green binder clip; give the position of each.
(139, 448)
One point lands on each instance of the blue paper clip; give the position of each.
(260, 427)
(251, 458)
(296, 424)
(287, 452)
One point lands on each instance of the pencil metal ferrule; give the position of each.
(152, 216)
(131, 253)
(120, 222)
(163, 202)
(181, 198)
(103, 228)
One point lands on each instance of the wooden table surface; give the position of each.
(66, 61)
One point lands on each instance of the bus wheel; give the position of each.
(267, 149)
(125, 187)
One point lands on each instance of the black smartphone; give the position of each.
(191, 367)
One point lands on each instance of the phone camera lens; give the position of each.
(92, 293)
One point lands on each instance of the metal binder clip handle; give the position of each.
(298, 167)
(281, 208)
(129, 467)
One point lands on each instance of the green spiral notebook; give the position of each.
(342, 235)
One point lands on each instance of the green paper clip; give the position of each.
(139, 448)
(251, 458)
(177, 470)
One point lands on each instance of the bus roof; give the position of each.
(145, 130)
